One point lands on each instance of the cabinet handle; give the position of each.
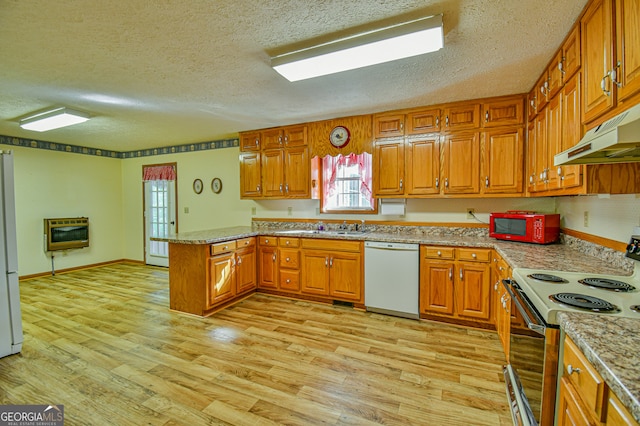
(286, 140)
(495, 286)
(280, 140)
(603, 85)
(451, 274)
(280, 188)
(532, 102)
(446, 121)
(614, 76)
(286, 188)
(560, 67)
(400, 183)
(437, 121)
(239, 260)
(326, 261)
(486, 181)
(257, 142)
(401, 126)
(446, 182)
(571, 369)
(331, 263)
(486, 116)
(531, 179)
(258, 188)
(273, 257)
(461, 275)
(437, 182)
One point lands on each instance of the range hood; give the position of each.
(614, 141)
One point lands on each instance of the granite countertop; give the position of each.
(612, 345)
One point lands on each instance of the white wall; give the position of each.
(611, 217)
(58, 184)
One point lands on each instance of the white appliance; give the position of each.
(10, 317)
(392, 278)
(539, 295)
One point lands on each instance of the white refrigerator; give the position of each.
(10, 317)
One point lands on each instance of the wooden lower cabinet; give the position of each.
(268, 263)
(455, 283)
(585, 398)
(206, 277)
(332, 269)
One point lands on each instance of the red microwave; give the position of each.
(525, 226)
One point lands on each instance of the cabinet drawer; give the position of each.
(268, 241)
(438, 252)
(289, 242)
(246, 242)
(334, 245)
(225, 247)
(290, 280)
(289, 258)
(474, 254)
(585, 378)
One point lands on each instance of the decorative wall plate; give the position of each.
(216, 185)
(197, 186)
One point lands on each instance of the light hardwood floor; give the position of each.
(103, 342)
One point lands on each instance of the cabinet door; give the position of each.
(472, 290)
(250, 141)
(272, 138)
(628, 47)
(423, 166)
(571, 55)
(531, 156)
(555, 74)
(542, 91)
(503, 157)
(297, 172)
(315, 272)
(267, 267)
(570, 409)
(507, 112)
(295, 136)
(345, 276)
(420, 122)
(597, 58)
(504, 309)
(532, 103)
(273, 173)
(463, 116)
(222, 279)
(436, 287)
(554, 140)
(388, 173)
(385, 126)
(571, 176)
(540, 151)
(461, 171)
(245, 269)
(250, 177)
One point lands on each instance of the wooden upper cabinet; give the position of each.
(388, 168)
(273, 173)
(272, 138)
(503, 112)
(531, 157)
(554, 74)
(571, 59)
(388, 125)
(532, 103)
(461, 167)
(554, 141)
(542, 91)
(295, 136)
(250, 175)
(597, 59)
(297, 176)
(424, 121)
(250, 141)
(503, 161)
(628, 47)
(571, 176)
(423, 166)
(462, 116)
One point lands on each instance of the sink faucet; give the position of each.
(361, 226)
(343, 227)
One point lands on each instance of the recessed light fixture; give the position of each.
(386, 44)
(53, 119)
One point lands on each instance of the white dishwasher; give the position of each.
(392, 278)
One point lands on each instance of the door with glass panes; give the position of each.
(160, 219)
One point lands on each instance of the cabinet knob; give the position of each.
(474, 255)
(571, 369)
(266, 241)
(225, 247)
(288, 280)
(439, 253)
(288, 259)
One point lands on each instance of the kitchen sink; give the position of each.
(299, 231)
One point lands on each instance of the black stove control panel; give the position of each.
(633, 249)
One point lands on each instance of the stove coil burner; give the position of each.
(584, 302)
(635, 308)
(548, 278)
(607, 284)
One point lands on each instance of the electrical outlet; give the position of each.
(471, 213)
(253, 211)
(586, 219)
(186, 209)
(290, 211)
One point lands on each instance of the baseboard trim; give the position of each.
(77, 268)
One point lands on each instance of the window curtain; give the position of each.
(330, 167)
(158, 173)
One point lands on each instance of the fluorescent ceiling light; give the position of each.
(53, 119)
(404, 40)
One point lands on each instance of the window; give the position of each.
(346, 184)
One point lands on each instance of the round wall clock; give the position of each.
(197, 186)
(339, 136)
(216, 185)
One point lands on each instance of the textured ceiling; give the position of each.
(169, 72)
